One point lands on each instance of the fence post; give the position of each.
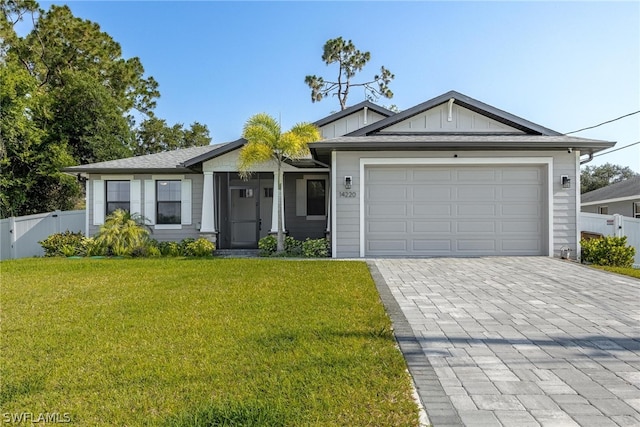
(13, 232)
(618, 228)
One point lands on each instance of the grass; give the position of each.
(176, 342)
(627, 271)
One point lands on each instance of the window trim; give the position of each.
(324, 182)
(186, 198)
(636, 210)
(157, 202)
(301, 196)
(106, 195)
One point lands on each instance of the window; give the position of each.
(268, 192)
(636, 209)
(603, 210)
(316, 203)
(118, 196)
(168, 202)
(246, 193)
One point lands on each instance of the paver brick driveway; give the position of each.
(522, 341)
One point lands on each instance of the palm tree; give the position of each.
(122, 232)
(266, 142)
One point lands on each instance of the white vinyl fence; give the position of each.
(19, 236)
(613, 225)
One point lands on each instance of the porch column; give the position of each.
(328, 199)
(277, 202)
(207, 224)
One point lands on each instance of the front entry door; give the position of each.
(244, 216)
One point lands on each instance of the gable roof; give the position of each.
(627, 189)
(167, 161)
(350, 110)
(465, 101)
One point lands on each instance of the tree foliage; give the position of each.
(594, 177)
(267, 143)
(67, 97)
(350, 62)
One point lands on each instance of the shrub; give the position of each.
(608, 251)
(122, 232)
(295, 248)
(317, 248)
(64, 244)
(268, 245)
(199, 248)
(171, 249)
(292, 247)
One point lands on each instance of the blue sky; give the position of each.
(563, 65)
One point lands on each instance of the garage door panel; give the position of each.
(387, 193)
(523, 209)
(432, 193)
(520, 245)
(515, 175)
(435, 209)
(475, 175)
(455, 211)
(520, 227)
(521, 192)
(387, 226)
(476, 226)
(388, 245)
(430, 226)
(382, 210)
(381, 176)
(476, 193)
(476, 210)
(474, 245)
(429, 176)
(432, 246)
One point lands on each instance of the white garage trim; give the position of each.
(402, 161)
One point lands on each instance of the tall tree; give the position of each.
(594, 177)
(350, 61)
(267, 143)
(68, 97)
(154, 135)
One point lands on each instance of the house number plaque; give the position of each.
(348, 194)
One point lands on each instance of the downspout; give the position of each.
(582, 162)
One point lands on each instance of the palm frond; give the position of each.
(253, 153)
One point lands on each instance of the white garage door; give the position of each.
(455, 211)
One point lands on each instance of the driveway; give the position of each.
(523, 341)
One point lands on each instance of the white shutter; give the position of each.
(186, 202)
(135, 197)
(98, 202)
(301, 197)
(150, 201)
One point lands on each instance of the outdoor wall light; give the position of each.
(566, 181)
(347, 182)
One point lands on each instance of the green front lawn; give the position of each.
(191, 342)
(627, 271)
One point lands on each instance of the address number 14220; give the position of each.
(348, 194)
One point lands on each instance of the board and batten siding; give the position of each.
(347, 218)
(185, 231)
(350, 123)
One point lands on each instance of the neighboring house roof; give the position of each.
(167, 161)
(628, 189)
(465, 101)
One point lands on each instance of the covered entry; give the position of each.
(451, 210)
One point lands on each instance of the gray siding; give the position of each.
(563, 222)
